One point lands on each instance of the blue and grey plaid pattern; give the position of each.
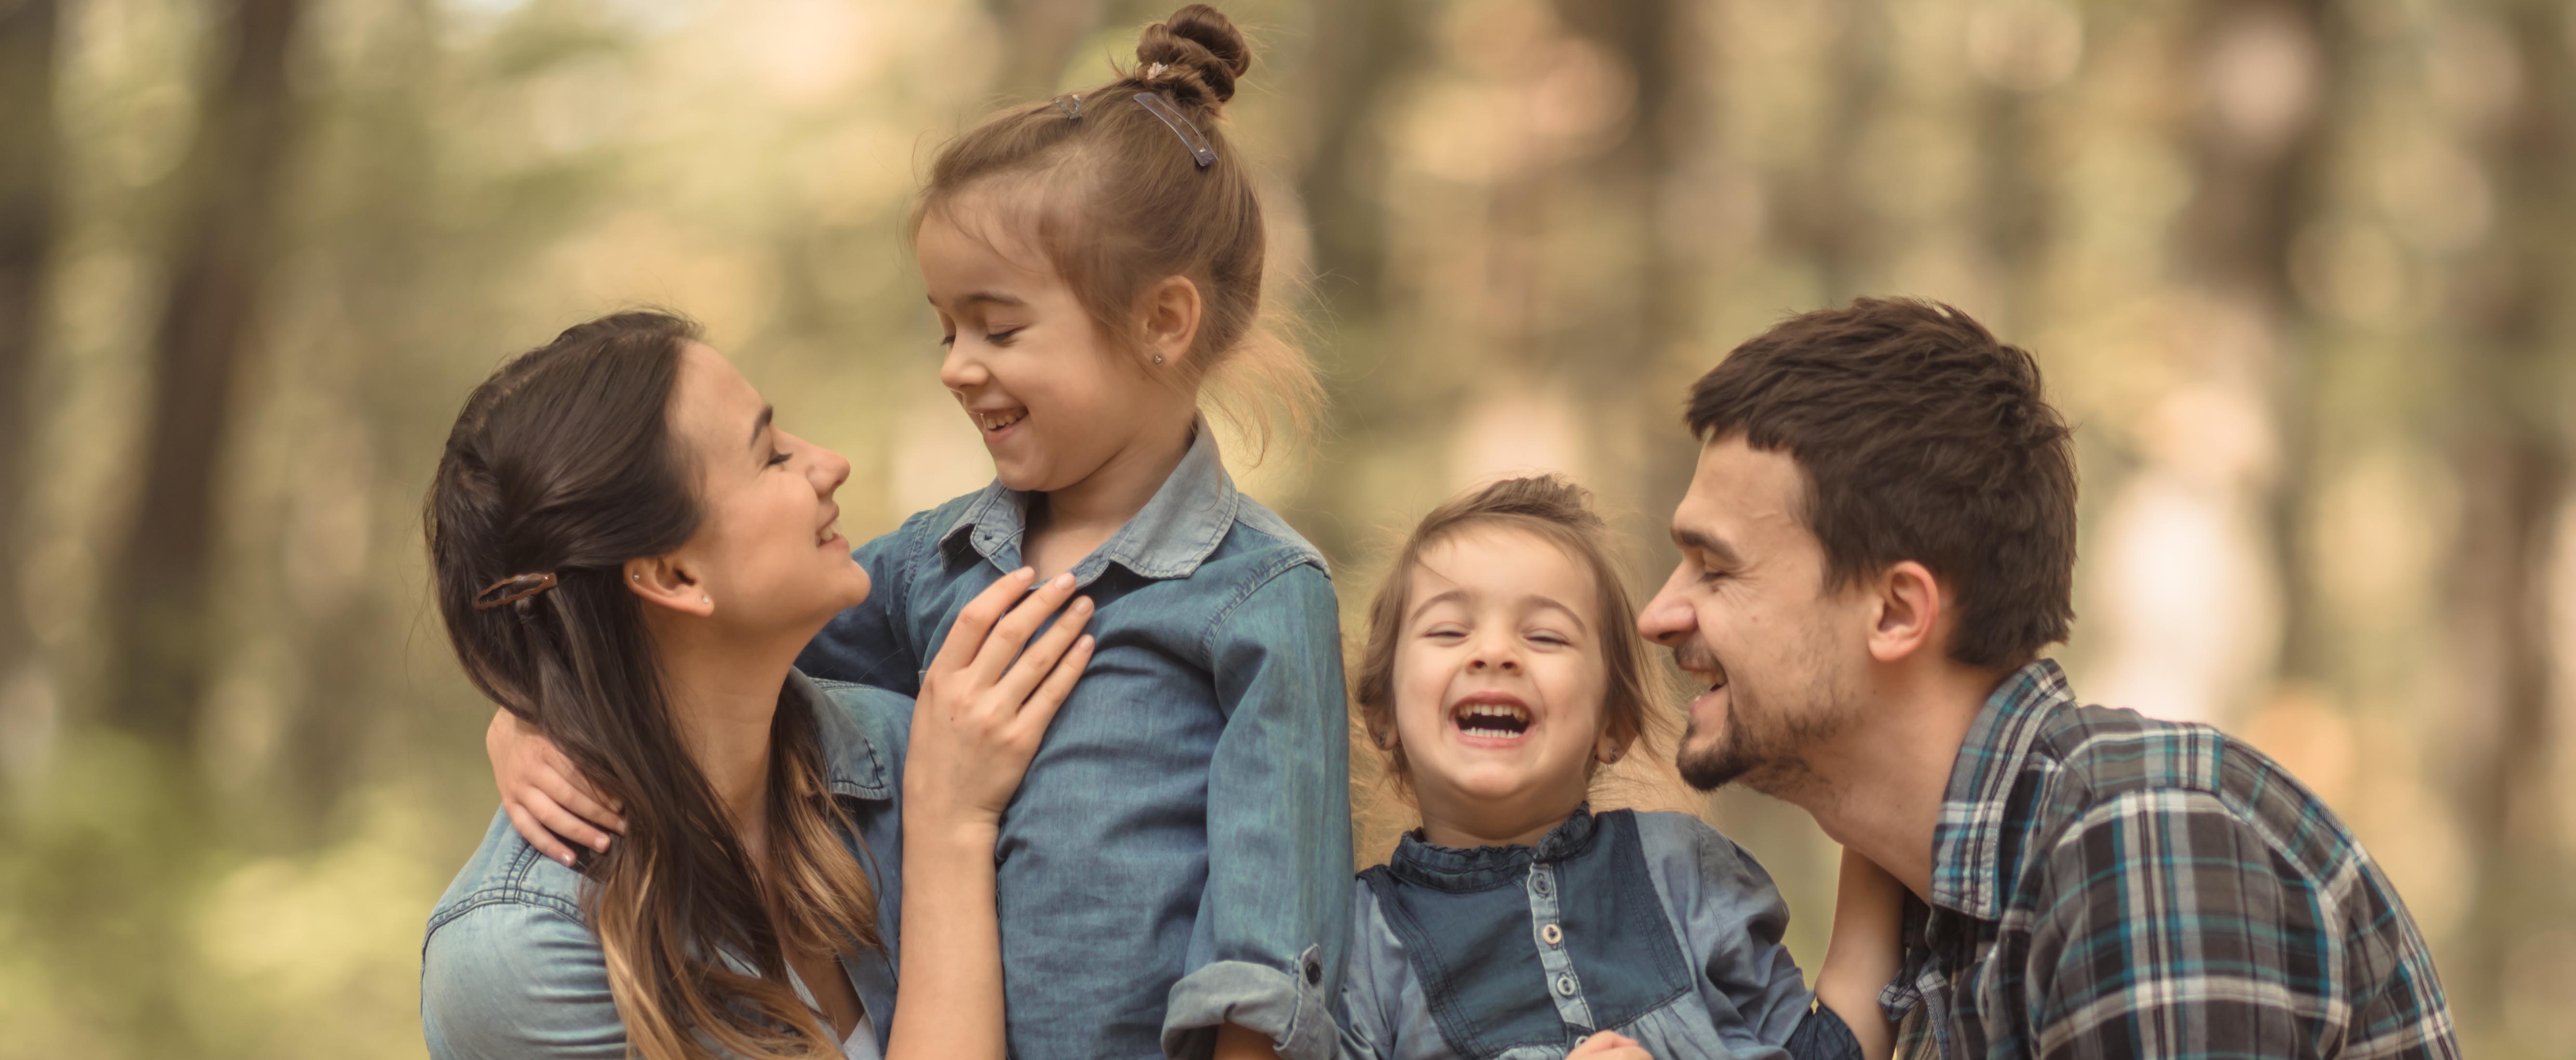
(2107, 885)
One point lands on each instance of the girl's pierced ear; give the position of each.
(1158, 358)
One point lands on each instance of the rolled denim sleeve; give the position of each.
(871, 644)
(511, 980)
(1735, 919)
(1266, 951)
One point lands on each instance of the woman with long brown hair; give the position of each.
(628, 554)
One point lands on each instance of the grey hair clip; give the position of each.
(1189, 134)
(1070, 104)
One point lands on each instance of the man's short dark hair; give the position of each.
(1923, 437)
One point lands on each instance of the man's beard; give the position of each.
(1761, 745)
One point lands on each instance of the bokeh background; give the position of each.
(2300, 273)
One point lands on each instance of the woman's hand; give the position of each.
(985, 703)
(547, 799)
(1609, 1045)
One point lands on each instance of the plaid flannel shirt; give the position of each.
(2107, 885)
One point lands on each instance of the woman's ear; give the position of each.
(1170, 313)
(667, 582)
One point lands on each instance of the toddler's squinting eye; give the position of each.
(999, 338)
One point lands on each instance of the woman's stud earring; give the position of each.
(706, 601)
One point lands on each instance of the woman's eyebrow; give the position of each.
(761, 422)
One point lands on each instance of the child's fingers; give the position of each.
(545, 842)
(1034, 664)
(966, 638)
(1003, 643)
(1039, 711)
(568, 792)
(565, 823)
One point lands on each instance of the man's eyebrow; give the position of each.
(767, 413)
(1705, 542)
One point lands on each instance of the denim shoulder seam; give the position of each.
(1276, 568)
(504, 894)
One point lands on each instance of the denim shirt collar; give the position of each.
(852, 764)
(1457, 869)
(1967, 842)
(1175, 531)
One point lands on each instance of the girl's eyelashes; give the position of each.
(1002, 337)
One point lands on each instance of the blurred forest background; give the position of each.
(2299, 271)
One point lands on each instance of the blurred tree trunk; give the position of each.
(1038, 38)
(2511, 462)
(1356, 47)
(28, 35)
(227, 189)
(2260, 160)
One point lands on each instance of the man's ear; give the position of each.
(1170, 311)
(668, 582)
(1908, 608)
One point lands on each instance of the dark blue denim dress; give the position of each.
(1652, 925)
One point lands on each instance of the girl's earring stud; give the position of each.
(1158, 358)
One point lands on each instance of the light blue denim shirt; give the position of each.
(1652, 925)
(1179, 856)
(510, 969)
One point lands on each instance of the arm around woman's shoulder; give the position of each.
(509, 979)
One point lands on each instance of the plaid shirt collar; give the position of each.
(1969, 875)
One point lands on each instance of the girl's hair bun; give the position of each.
(1196, 55)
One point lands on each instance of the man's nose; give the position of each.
(1667, 618)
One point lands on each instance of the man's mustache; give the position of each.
(1694, 655)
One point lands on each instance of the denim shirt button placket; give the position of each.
(1565, 988)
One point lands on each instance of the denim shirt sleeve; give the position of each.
(1376, 964)
(871, 643)
(1735, 918)
(509, 979)
(1266, 951)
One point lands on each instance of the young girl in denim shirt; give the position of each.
(1502, 669)
(1173, 877)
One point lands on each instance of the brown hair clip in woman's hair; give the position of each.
(519, 587)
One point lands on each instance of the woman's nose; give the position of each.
(831, 469)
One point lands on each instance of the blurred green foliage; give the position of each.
(2298, 270)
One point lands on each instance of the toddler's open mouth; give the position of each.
(1490, 716)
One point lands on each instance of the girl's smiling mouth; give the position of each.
(1491, 719)
(995, 421)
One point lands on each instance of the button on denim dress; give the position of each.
(1179, 856)
(510, 970)
(1652, 925)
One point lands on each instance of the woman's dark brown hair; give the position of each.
(1561, 513)
(1115, 199)
(564, 462)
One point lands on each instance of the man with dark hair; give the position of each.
(1877, 543)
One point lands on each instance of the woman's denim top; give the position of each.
(1652, 925)
(1179, 856)
(510, 969)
